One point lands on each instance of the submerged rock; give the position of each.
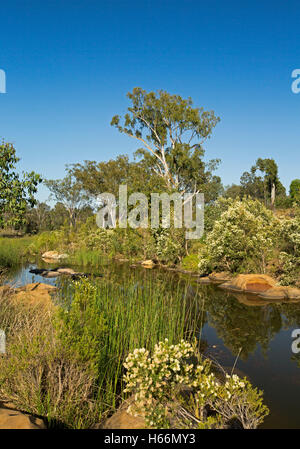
(281, 293)
(38, 271)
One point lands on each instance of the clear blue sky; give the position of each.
(69, 65)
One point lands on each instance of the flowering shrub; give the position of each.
(169, 244)
(290, 257)
(243, 238)
(174, 387)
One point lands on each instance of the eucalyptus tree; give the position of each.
(262, 182)
(171, 133)
(69, 193)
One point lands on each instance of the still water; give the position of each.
(234, 329)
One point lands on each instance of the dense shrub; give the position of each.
(242, 239)
(175, 388)
(290, 250)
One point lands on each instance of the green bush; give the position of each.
(190, 262)
(175, 387)
(242, 239)
(290, 251)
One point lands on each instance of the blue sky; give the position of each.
(69, 65)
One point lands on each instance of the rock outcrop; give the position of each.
(54, 255)
(31, 293)
(123, 420)
(221, 277)
(148, 263)
(14, 419)
(281, 293)
(252, 283)
(263, 286)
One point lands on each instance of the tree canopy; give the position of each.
(16, 192)
(262, 182)
(295, 191)
(68, 192)
(172, 133)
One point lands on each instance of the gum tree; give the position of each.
(68, 192)
(172, 133)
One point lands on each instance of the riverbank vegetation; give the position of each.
(66, 363)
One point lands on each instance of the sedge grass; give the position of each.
(137, 315)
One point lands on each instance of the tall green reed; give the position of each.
(138, 313)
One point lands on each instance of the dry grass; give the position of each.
(37, 373)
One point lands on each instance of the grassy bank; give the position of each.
(13, 250)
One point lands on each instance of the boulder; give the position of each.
(53, 255)
(252, 283)
(50, 274)
(223, 276)
(65, 271)
(34, 293)
(14, 419)
(123, 420)
(148, 263)
(204, 280)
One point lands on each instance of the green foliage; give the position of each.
(266, 187)
(134, 314)
(98, 177)
(81, 327)
(15, 193)
(295, 191)
(190, 262)
(169, 244)
(40, 373)
(171, 132)
(290, 254)
(14, 250)
(242, 239)
(68, 192)
(175, 386)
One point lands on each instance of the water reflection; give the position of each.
(257, 331)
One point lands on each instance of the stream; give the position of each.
(232, 325)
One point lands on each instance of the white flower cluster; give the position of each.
(155, 379)
(245, 231)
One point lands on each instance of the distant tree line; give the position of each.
(171, 133)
